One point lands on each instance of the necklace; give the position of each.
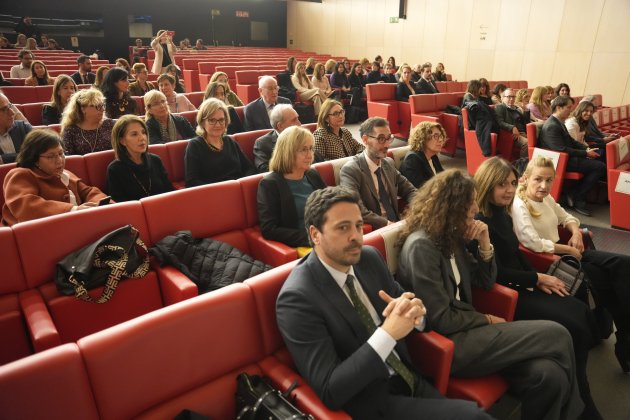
(147, 191)
(215, 148)
(92, 146)
(122, 103)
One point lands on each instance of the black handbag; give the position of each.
(104, 262)
(256, 399)
(569, 270)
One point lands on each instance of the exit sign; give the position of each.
(242, 14)
(393, 20)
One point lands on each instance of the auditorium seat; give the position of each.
(176, 152)
(618, 166)
(96, 164)
(381, 102)
(246, 141)
(33, 112)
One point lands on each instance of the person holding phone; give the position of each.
(40, 185)
(164, 49)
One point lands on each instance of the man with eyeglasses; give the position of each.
(257, 112)
(512, 119)
(375, 177)
(12, 132)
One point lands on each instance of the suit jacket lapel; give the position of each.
(367, 175)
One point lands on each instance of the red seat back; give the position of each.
(378, 92)
(423, 104)
(96, 164)
(247, 139)
(33, 112)
(176, 151)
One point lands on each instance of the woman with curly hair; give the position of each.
(421, 162)
(83, 126)
(538, 107)
(522, 99)
(445, 252)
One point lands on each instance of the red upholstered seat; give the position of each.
(247, 139)
(619, 202)
(96, 164)
(381, 102)
(21, 94)
(33, 112)
(176, 151)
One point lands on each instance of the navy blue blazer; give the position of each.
(256, 116)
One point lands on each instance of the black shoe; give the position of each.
(581, 208)
(622, 352)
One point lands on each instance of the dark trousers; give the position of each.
(593, 171)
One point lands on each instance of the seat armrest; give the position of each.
(270, 252)
(174, 284)
(539, 260)
(499, 301)
(432, 354)
(44, 334)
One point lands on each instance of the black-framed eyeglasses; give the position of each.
(437, 136)
(382, 139)
(338, 113)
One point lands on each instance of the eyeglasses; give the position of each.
(214, 121)
(438, 136)
(98, 107)
(6, 108)
(158, 103)
(382, 139)
(54, 157)
(510, 96)
(338, 113)
(272, 88)
(306, 150)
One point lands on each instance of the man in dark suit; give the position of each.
(512, 119)
(84, 75)
(555, 136)
(342, 315)
(257, 112)
(375, 177)
(425, 84)
(282, 116)
(12, 132)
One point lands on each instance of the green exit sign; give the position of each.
(393, 20)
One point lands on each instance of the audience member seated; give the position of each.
(366, 67)
(536, 218)
(40, 186)
(551, 94)
(321, 82)
(594, 134)
(473, 91)
(389, 74)
(392, 61)
(218, 90)
(138, 51)
(141, 85)
(231, 97)
(512, 119)
(310, 66)
(282, 117)
(43, 42)
(374, 76)
(405, 87)
(540, 296)
(257, 112)
(162, 126)
(21, 42)
(356, 79)
(538, 107)
(12, 131)
(329, 67)
(135, 173)
(213, 156)
(304, 88)
(332, 140)
(282, 193)
(440, 75)
(53, 45)
(84, 75)
(199, 45)
(426, 84)
(115, 87)
(421, 162)
(580, 128)
(39, 75)
(341, 333)
(485, 92)
(177, 102)
(375, 178)
(101, 72)
(583, 159)
(497, 93)
(63, 89)
(164, 49)
(445, 252)
(22, 70)
(31, 44)
(562, 90)
(416, 74)
(124, 64)
(83, 126)
(175, 73)
(339, 79)
(522, 99)
(4, 44)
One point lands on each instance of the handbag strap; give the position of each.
(117, 270)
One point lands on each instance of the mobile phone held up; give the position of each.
(104, 201)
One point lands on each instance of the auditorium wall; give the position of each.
(581, 42)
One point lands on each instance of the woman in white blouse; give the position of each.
(536, 217)
(304, 88)
(321, 82)
(579, 125)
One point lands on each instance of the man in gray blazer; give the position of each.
(375, 177)
(282, 116)
(511, 118)
(257, 112)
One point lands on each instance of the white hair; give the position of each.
(263, 80)
(277, 114)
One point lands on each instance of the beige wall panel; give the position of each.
(435, 21)
(506, 65)
(392, 33)
(356, 21)
(545, 19)
(571, 68)
(455, 62)
(612, 34)
(626, 94)
(484, 24)
(537, 68)
(329, 31)
(579, 26)
(433, 55)
(607, 75)
(480, 64)
(413, 30)
(512, 25)
(376, 20)
(458, 24)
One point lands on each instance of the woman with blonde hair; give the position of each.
(321, 82)
(522, 99)
(282, 193)
(135, 173)
(214, 156)
(304, 88)
(421, 162)
(538, 107)
(231, 98)
(162, 126)
(39, 75)
(83, 126)
(310, 66)
(63, 89)
(330, 66)
(31, 44)
(405, 87)
(332, 140)
(219, 90)
(101, 72)
(164, 49)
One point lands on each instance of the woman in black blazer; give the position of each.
(421, 163)
(163, 126)
(282, 194)
(405, 88)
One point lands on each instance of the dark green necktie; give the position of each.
(392, 360)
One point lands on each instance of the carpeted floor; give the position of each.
(611, 240)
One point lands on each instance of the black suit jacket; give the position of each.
(415, 167)
(555, 136)
(256, 116)
(327, 339)
(276, 208)
(263, 148)
(403, 92)
(426, 87)
(76, 76)
(182, 126)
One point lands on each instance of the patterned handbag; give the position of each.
(119, 254)
(569, 270)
